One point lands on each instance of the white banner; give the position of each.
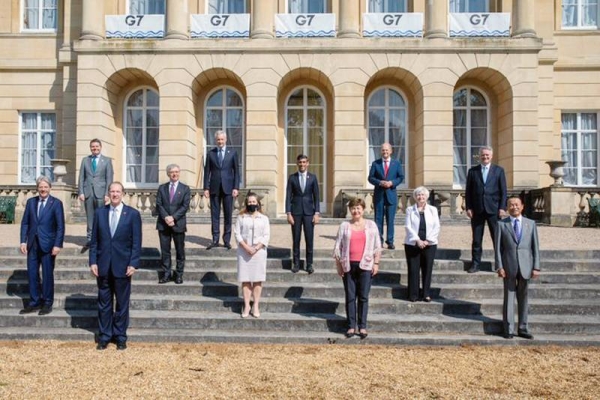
(479, 24)
(220, 25)
(393, 25)
(135, 26)
(305, 25)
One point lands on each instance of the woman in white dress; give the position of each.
(252, 233)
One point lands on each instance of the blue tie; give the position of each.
(220, 157)
(517, 229)
(484, 170)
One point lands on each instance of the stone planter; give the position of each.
(59, 166)
(556, 172)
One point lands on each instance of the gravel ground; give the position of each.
(51, 370)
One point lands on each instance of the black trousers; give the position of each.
(477, 227)
(300, 222)
(178, 238)
(419, 261)
(216, 199)
(357, 285)
(113, 319)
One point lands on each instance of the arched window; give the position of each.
(141, 137)
(225, 112)
(471, 131)
(386, 123)
(306, 133)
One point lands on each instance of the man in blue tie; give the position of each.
(485, 197)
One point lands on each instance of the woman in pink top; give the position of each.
(356, 253)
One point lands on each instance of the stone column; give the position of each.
(523, 19)
(92, 21)
(263, 12)
(349, 19)
(436, 19)
(177, 15)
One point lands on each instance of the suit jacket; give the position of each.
(302, 203)
(177, 209)
(377, 174)
(489, 197)
(120, 251)
(95, 183)
(49, 228)
(515, 256)
(226, 176)
(413, 220)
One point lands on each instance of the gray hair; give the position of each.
(171, 166)
(220, 132)
(41, 179)
(482, 148)
(420, 189)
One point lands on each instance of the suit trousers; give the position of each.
(477, 227)
(91, 205)
(306, 222)
(357, 285)
(419, 260)
(113, 320)
(35, 257)
(515, 287)
(165, 236)
(387, 211)
(216, 199)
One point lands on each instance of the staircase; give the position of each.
(298, 308)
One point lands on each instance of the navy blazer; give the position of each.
(49, 228)
(302, 203)
(116, 253)
(488, 197)
(227, 176)
(377, 174)
(177, 209)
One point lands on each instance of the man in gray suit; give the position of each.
(95, 174)
(517, 261)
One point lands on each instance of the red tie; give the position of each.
(385, 168)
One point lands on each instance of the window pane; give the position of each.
(151, 136)
(460, 118)
(460, 136)
(151, 173)
(234, 118)
(151, 155)
(295, 137)
(135, 118)
(569, 13)
(234, 137)
(295, 118)
(152, 118)
(477, 99)
(376, 118)
(214, 118)
(313, 98)
(151, 98)
(227, 6)
(216, 99)
(378, 99)
(589, 13)
(296, 98)
(376, 138)
(233, 99)
(478, 118)
(146, 7)
(460, 98)
(397, 118)
(396, 99)
(315, 137)
(134, 174)
(478, 137)
(136, 99)
(134, 154)
(315, 118)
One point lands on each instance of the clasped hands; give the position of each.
(386, 184)
(94, 270)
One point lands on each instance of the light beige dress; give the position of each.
(252, 231)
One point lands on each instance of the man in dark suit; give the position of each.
(485, 196)
(95, 173)
(115, 252)
(221, 184)
(42, 235)
(517, 259)
(302, 209)
(172, 204)
(385, 175)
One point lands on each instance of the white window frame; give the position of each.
(487, 7)
(305, 7)
(40, 19)
(468, 108)
(404, 6)
(579, 25)
(579, 131)
(405, 156)
(143, 184)
(208, 11)
(38, 131)
(224, 107)
(128, 8)
(305, 107)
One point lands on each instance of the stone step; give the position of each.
(305, 305)
(320, 290)
(315, 322)
(299, 337)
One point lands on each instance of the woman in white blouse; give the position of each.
(420, 244)
(252, 233)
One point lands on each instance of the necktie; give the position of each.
(386, 167)
(113, 222)
(94, 163)
(517, 229)
(41, 207)
(302, 182)
(484, 170)
(172, 192)
(220, 157)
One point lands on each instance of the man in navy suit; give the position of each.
(42, 235)
(221, 184)
(386, 174)
(302, 209)
(485, 197)
(172, 204)
(114, 256)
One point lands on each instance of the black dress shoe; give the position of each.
(213, 244)
(178, 280)
(30, 309)
(85, 248)
(101, 345)
(363, 335)
(310, 269)
(45, 310)
(121, 345)
(525, 335)
(508, 336)
(391, 246)
(165, 279)
(295, 268)
(227, 246)
(473, 269)
(350, 333)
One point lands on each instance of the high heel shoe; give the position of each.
(350, 333)
(255, 314)
(363, 334)
(245, 314)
